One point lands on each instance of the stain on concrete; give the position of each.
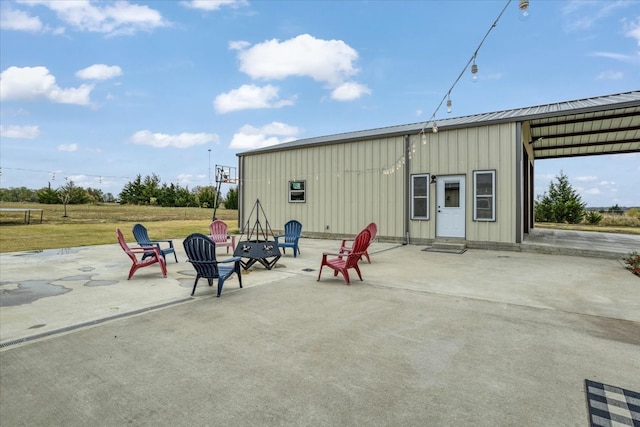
(187, 283)
(88, 280)
(49, 252)
(28, 253)
(92, 283)
(28, 291)
(73, 278)
(40, 325)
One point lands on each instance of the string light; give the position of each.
(523, 6)
(474, 71)
(449, 103)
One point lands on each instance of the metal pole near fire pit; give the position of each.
(257, 246)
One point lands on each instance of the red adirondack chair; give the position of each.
(142, 250)
(344, 261)
(347, 244)
(219, 235)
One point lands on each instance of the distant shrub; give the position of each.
(613, 220)
(592, 217)
(633, 212)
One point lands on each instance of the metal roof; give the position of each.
(607, 124)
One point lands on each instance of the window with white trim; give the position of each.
(484, 195)
(297, 191)
(420, 196)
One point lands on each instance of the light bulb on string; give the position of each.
(523, 8)
(474, 71)
(434, 128)
(449, 103)
(423, 137)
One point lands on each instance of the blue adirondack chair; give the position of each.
(292, 232)
(142, 237)
(201, 253)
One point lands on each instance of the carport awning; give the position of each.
(586, 134)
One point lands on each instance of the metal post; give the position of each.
(209, 167)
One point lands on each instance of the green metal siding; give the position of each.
(351, 184)
(347, 185)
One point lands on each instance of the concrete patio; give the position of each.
(483, 338)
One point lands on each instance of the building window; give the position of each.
(420, 196)
(297, 192)
(484, 195)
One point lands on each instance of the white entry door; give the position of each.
(450, 211)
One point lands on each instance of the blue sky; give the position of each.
(99, 92)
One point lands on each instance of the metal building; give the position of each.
(470, 179)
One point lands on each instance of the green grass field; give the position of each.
(87, 225)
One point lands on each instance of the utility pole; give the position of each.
(209, 167)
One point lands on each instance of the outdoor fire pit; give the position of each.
(257, 247)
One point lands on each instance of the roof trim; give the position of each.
(546, 111)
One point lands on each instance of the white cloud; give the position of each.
(582, 15)
(250, 137)
(632, 29)
(586, 178)
(99, 72)
(32, 83)
(187, 178)
(77, 179)
(330, 61)
(592, 191)
(607, 183)
(213, 4)
(68, 147)
(275, 128)
(113, 18)
(19, 132)
(183, 140)
(610, 75)
(19, 20)
(631, 58)
(238, 45)
(250, 97)
(548, 177)
(349, 91)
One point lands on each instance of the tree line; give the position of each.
(141, 191)
(48, 195)
(149, 191)
(562, 204)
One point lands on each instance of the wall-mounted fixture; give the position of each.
(434, 178)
